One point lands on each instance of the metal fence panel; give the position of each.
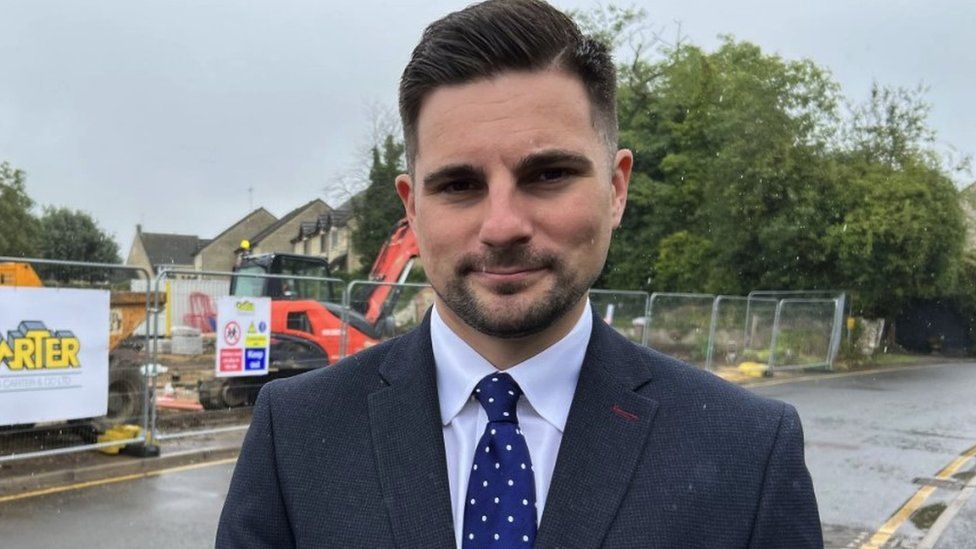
(190, 398)
(804, 333)
(128, 393)
(377, 311)
(625, 311)
(741, 331)
(679, 325)
(189, 303)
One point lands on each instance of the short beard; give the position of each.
(565, 293)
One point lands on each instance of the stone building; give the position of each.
(155, 251)
(219, 253)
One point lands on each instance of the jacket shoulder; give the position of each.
(352, 377)
(353, 369)
(702, 385)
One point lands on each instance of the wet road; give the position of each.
(174, 511)
(867, 437)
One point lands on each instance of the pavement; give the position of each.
(29, 476)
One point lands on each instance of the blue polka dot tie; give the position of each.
(500, 507)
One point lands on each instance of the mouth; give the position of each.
(508, 274)
(508, 269)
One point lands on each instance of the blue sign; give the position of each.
(255, 359)
(262, 326)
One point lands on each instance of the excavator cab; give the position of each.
(284, 288)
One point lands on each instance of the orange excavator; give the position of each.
(307, 316)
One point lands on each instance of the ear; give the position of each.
(620, 180)
(404, 189)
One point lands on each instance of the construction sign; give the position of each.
(243, 336)
(53, 354)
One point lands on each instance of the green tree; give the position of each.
(18, 226)
(746, 177)
(75, 235)
(900, 238)
(377, 209)
(681, 256)
(891, 128)
(729, 148)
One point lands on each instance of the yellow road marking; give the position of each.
(915, 502)
(860, 373)
(123, 478)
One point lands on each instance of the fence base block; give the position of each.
(142, 450)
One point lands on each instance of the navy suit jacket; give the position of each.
(655, 453)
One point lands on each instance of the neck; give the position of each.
(503, 353)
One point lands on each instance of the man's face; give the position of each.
(513, 200)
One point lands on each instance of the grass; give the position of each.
(894, 359)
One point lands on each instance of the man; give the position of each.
(513, 416)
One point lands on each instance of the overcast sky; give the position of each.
(165, 112)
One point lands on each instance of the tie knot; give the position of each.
(498, 395)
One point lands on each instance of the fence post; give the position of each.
(712, 328)
(775, 336)
(154, 355)
(836, 334)
(650, 316)
(647, 319)
(344, 321)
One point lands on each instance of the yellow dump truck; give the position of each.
(18, 274)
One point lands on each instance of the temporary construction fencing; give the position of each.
(69, 366)
(189, 302)
(804, 334)
(797, 312)
(376, 311)
(208, 372)
(678, 325)
(782, 330)
(179, 372)
(741, 329)
(625, 311)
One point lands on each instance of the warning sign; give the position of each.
(243, 325)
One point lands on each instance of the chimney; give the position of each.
(138, 228)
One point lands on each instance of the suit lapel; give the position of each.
(605, 434)
(407, 435)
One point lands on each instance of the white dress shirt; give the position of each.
(548, 382)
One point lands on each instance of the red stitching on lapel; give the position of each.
(623, 413)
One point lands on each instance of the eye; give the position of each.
(459, 186)
(552, 175)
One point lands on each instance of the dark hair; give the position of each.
(495, 36)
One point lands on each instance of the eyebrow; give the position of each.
(549, 158)
(453, 171)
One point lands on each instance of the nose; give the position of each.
(506, 219)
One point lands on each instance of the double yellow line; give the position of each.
(113, 480)
(915, 502)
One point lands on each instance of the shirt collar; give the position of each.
(548, 379)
